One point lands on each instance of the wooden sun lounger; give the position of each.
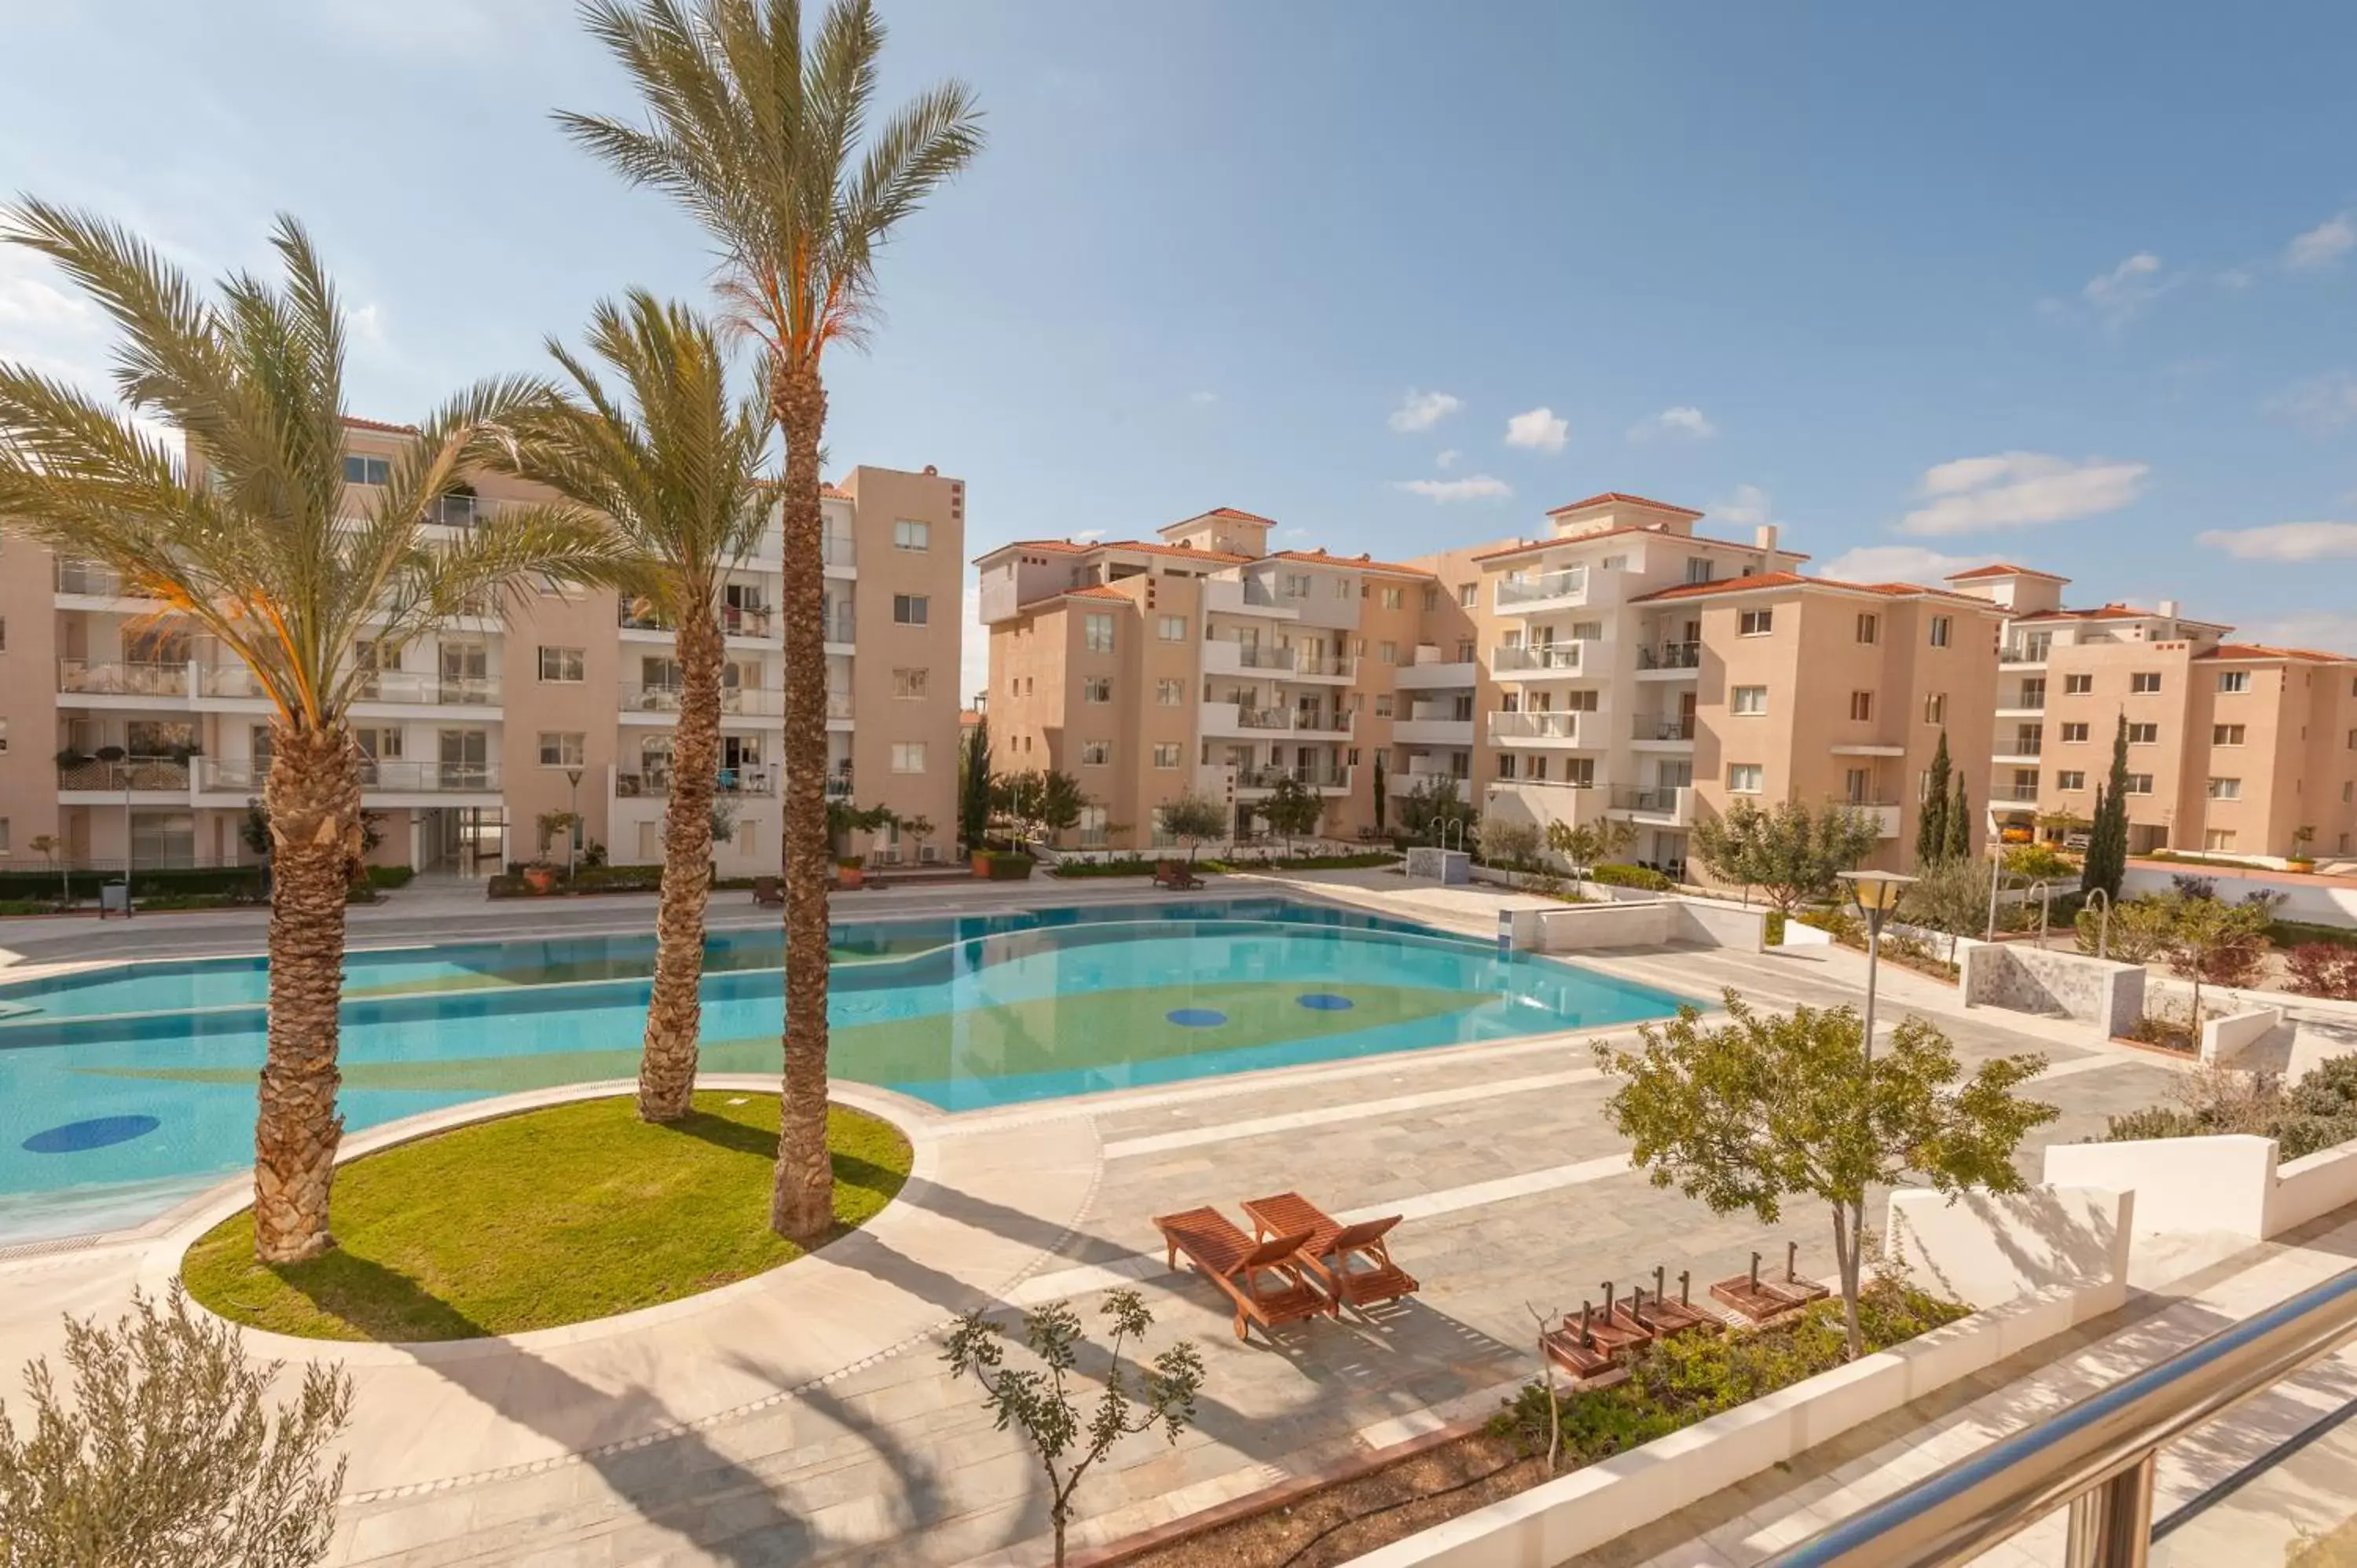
(1756, 1298)
(1170, 873)
(1582, 1358)
(1669, 1318)
(1236, 1264)
(767, 893)
(1792, 1283)
(1332, 1246)
(1614, 1328)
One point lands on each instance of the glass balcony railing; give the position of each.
(1649, 726)
(1669, 656)
(1513, 726)
(169, 773)
(1252, 656)
(124, 678)
(1264, 718)
(1545, 586)
(659, 697)
(734, 782)
(1562, 656)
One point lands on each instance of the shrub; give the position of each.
(1005, 867)
(2039, 862)
(2139, 930)
(1131, 866)
(615, 879)
(2324, 969)
(390, 875)
(1617, 875)
(2292, 933)
(1775, 928)
(1508, 843)
(2320, 1114)
(1835, 922)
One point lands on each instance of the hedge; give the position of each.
(1008, 867)
(1132, 866)
(1617, 875)
(1307, 863)
(390, 875)
(43, 885)
(2296, 933)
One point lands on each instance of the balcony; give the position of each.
(2020, 748)
(458, 511)
(734, 782)
(1666, 805)
(1565, 730)
(838, 786)
(132, 774)
(839, 551)
(1548, 590)
(1264, 718)
(748, 620)
(390, 776)
(1674, 657)
(1246, 596)
(2022, 653)
(1322, 667)
(1435, 723)
(1654, 728)
(1320, 724)
(2021, 704)
(88, 579)
(2014, 795)
(1430, 673)
(835, 624)
(639, 697)
(1227, 656)
(1324, 780)
(1541, 659)
(838, 705)
(124, 678)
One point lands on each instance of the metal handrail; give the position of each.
(2095, 1457)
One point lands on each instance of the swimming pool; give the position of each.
(123, 1089)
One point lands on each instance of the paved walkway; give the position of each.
(805, 1417)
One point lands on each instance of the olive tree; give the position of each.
(1766, 1108)
(1591, 843)
(1194, 820)
(1789, 852)
(162, 1452)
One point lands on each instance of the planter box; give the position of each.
(850, 877)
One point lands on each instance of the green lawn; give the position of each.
(543, 1218)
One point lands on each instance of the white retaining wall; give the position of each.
(1585, 927)
(2312, 1187)
(1987, 1248)
(2223, 1039)
(2223, 1183)
(2332, 902)
(2107, 996)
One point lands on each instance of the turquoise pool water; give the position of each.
(122, 1090)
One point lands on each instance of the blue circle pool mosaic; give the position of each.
(1196, 1017)
(1325, 1002)
(73, 1137)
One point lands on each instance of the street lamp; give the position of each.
(1875, 894)
(572, 834)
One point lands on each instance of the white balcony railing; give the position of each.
(1569, 584)
(1506, 728)
(1562, 657)
(124, 678)
(665, 698)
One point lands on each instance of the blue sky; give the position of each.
(2070, 284)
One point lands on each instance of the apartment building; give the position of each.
(2233, 748)
(564, 703)
(1622, 664)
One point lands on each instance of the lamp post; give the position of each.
(1875, 894)
(573, 832)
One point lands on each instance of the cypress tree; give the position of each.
(1960, 825)
(1931, 823)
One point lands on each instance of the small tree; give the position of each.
(920, 828)
(724, 820)
(2139, 930)
(1040, 1403)
(1771, 1106)
(1510, 843)
(1589, 844)
(1380, 783)
(1042, 804)
(974, 785)
(2207, 939)
(1932, 824)
(554, 825)
(1951, 896)
(1194, 820)
(162, 1452)
(1291, 810)
(2106, 866)
(1427, 811)
(47, 847)
(844, 819)
(1959, 823)
(1791, 853)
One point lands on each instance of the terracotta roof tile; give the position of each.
(1624, 498)
(2251, 650)
(1093, 590)
(1241, 516)
(1362, 562)
(1764, 580)
(2002, 569)
(1579, 539)
(2117, 612)
(355, 423)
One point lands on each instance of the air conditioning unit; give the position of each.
(930, 852)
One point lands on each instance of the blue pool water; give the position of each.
(122, 1090)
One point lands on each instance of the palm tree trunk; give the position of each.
(802, 1204)
(675, 1013)
(313, 796)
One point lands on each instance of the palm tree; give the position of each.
(676, 468)
(253, 535)
(757, 135)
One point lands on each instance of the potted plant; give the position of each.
(850, 873)
(2301, 858)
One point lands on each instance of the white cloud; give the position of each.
(2321, 403)
(1897, 564)
(1682, 420)
(1539, 429)
(2020, 490)
(1446, 459)
(367, 324)
(1748, 505)
(1472, 487)
(2329, 631)
(973, 665)
(2286, 542)
(2322, 245)
(2123, 293)
(1202, 399)
(1422, 410)
(1088, 536)
(2236, 278)
(1294, 534)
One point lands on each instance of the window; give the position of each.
(1382, 704)
(2218, 839)
(565, 664)
(1095, 753)
(358, 470)
(2071, 779)
(1614, 563)
(1869, 627)
(4, 737)
(2078, 685)
(1388, 652)
(1341, 587)
(2225, 734)
(1166, 754)
(2075, 732)
(2233, 679)
(1096, 633)
(1506, 764)
(2143, 680)
(1469, 594)
(562, 750)
(1698, 569)
(1757, 623)
(1943, 629)
(1296, 584)
(5, 842)
(1394, 598)
(909, 757)
(3, 634)
(2348, 792)
(1431, 597)
(1935, 708)
(1170, 693)
(1173, 629)
(912, 609)
(2144, 734)
(909, 683)
(1861, 707)
(1097, 689)
(912, 535)
(1744, 777)
(2225, 789)
(2139, 783)
(1750, 700)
